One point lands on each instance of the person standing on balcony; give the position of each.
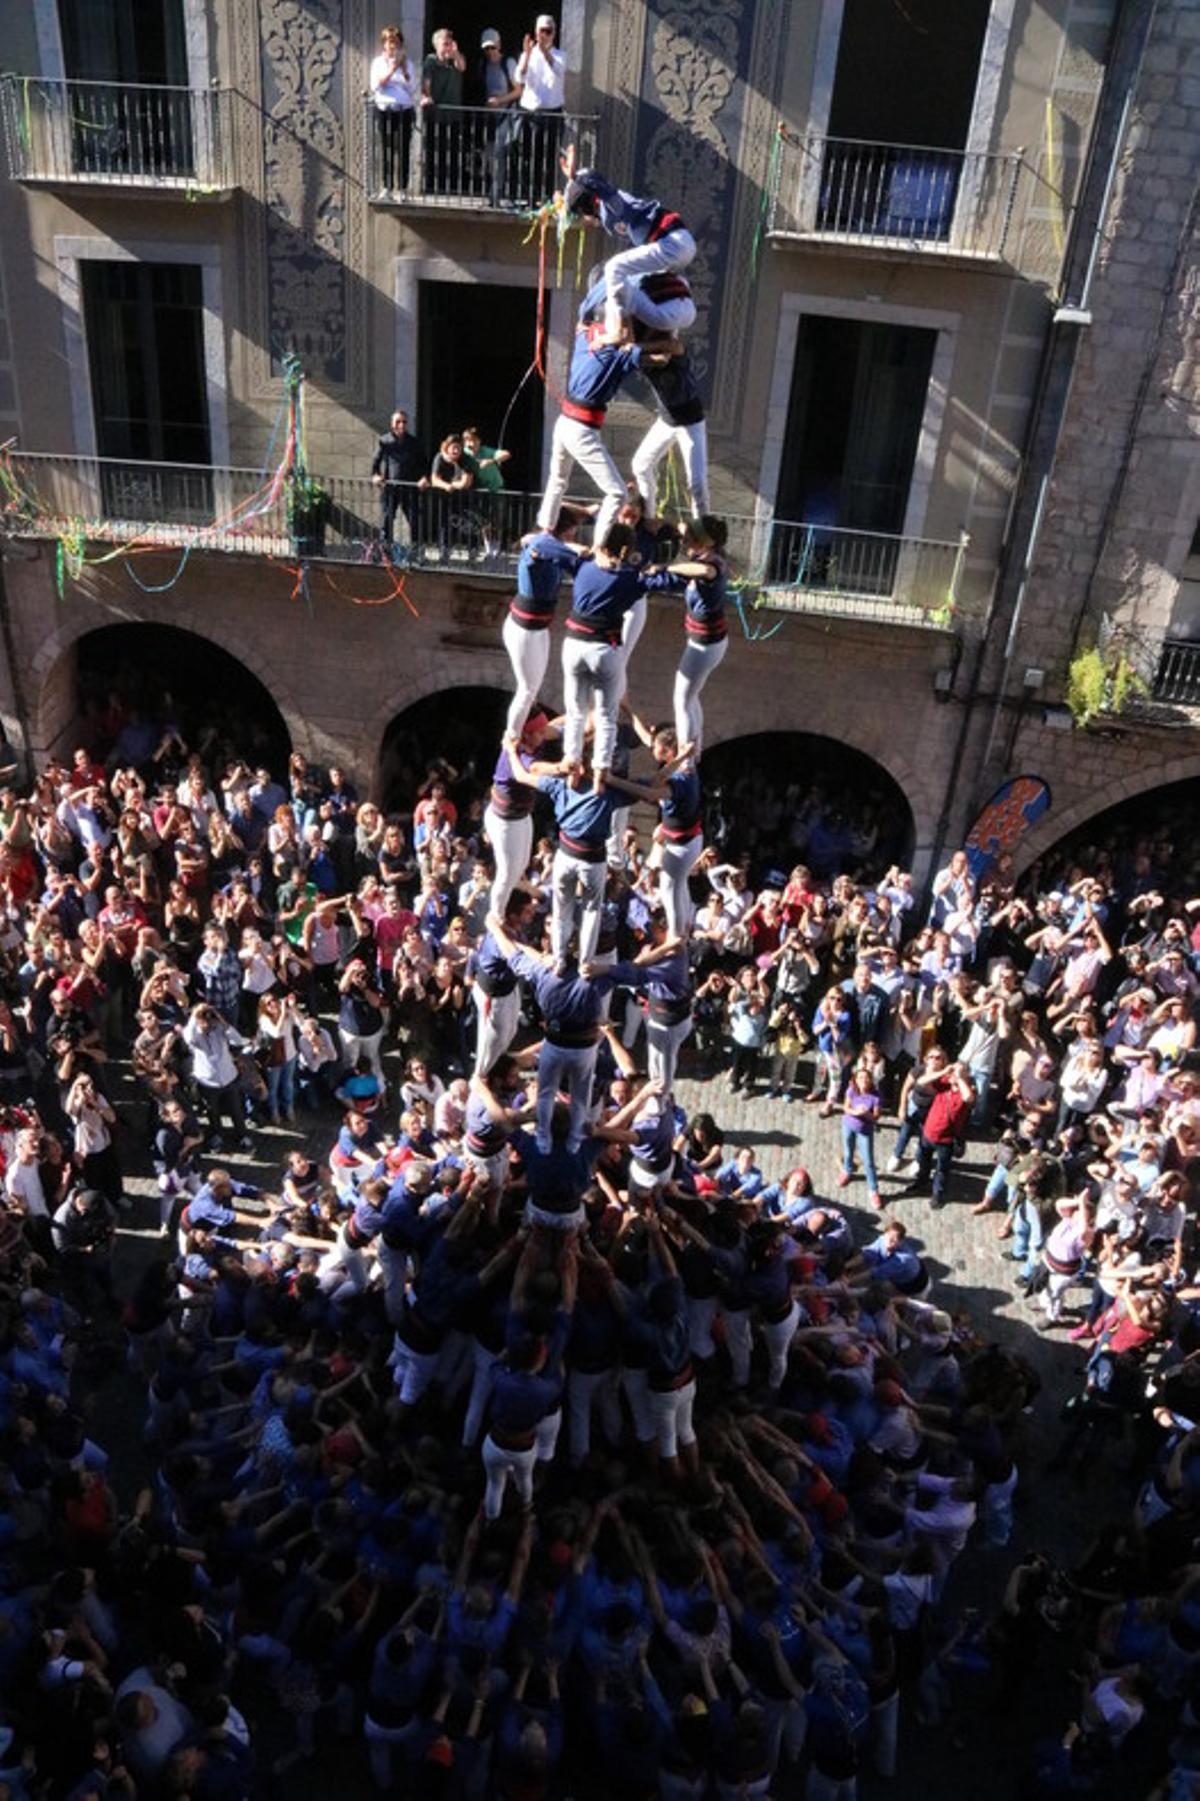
(542, 74)
(394, 89)
(597, 371)
(659, 241)
(398, 471)
(453, 473)
(489, 461)
(442, 89)
(495, 87)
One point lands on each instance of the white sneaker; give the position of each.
(892, 1165)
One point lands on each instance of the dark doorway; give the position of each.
(170, 677)
(906, 73)
(854, 419)
(144, 324)
(782, 798)
(132, 115)
(476, 344)
(460, 727)
(1144, 844)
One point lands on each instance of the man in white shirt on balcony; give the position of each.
(542, 73)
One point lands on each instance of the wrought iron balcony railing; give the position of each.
(789, 565)
(896, 196)
(471, 157)
(106, 134)
(1177, 677)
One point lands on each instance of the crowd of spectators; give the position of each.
(519, 1454)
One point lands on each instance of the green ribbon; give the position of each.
(767, 200)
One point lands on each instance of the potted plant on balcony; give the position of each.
(308, 510)
(1102, 681)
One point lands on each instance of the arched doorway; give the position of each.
(1146, 841)
(131, 677)
(460, 727)
(792, 797)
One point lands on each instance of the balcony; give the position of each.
(879, 576)
(179, 507)
(470, 158)
(102, 135)
(896, 197)
(1177, 678)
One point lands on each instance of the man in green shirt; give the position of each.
(489, 484)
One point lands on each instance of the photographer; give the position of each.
(361, 1018)
(95, 1153)
(215, 1073)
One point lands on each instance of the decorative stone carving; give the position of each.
(760, 116)
(693, 66)
(305, 184)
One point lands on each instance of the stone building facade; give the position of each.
(755, 120)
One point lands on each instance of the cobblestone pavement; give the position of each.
(1054, 1512)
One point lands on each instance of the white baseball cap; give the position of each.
(545, 22)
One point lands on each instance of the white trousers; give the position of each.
(342, 1271)
(574, 441)
(481, 1392)
(574, 1066)
(678, 862)
(413, 1371)
(529, 654)
(356, 1045)
(695, 666)
(632, 627)
(1056, 1292)
(672, 1415)
(614, 850)
(778, 1340)
(662, 315)
(512, 847)
(692, 442)
(500, 1465)
(587, 1389)
(498, 1017)
(577, 897)
(489, 1171)
(662, 1049)
(623, 271)
(593, 678)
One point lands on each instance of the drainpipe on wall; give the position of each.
(1130, 33)
(14, 675)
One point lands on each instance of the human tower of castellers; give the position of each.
(534, 1261)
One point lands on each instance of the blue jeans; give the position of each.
(281, 1086)
(934, 1159)
(1027, 1235)
(982, 1079)
(910, 1128)
(997, 1184)
(864, 1143)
